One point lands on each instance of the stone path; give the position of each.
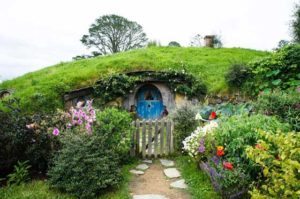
(157, 180)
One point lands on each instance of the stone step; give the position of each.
(172, 173)
(142, 167)
(167, 163)
(147, 161)
(149, 196)
(136, 172)
(179, 184)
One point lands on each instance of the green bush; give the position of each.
(236, 132)
(277, 71)
(85, 165)
(185, 124)
(237, 75)
(284, 105)
(279, 159)
(22, 142)
(115, 126)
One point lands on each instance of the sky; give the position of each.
(40, 33)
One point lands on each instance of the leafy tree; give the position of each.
(217, 41)
(113, 33)
(196, 41)
(296, 24)
(282, 43)
(174, 44)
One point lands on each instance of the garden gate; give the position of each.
(152, 138)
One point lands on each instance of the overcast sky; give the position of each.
(38, 33)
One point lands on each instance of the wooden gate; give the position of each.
(152, 138)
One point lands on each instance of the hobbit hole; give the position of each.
(146, 94)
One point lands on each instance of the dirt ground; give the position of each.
(155, 182)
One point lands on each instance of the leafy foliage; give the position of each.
(280, 70)
(237, 75)
(185, 123)
(84, 166)
(25, 137)
(284, 105)
(236, 132)
(120, 85)
(279, 159)
(113, 33)
(114, 126)
(20, 174)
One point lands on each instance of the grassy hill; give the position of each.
(43, 89)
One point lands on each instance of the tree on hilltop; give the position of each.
(113, 33)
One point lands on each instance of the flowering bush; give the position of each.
(194, 144)
(278, 155)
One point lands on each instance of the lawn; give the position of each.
(46, 87)
(199, 185)
(38, 189)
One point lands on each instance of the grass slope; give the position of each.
(43, 89)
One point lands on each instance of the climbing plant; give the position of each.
(119, 85)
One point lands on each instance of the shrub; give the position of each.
(24, 137)
(185, 123)
(277, 71)
(115, 126)
(284, 105)
(20, 174)
(237, 75)
(174, 44)
(84, 166)
(236, 132)
(279, 158)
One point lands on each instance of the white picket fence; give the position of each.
(152, 138)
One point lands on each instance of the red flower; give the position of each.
(227, 165)
(212, 116)
(220, 151)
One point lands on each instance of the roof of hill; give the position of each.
(43, 89)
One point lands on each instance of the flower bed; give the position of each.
(219, 146)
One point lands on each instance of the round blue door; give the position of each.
(149, 102)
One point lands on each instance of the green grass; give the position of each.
(46, 87)
(199, 185)
(39, 189)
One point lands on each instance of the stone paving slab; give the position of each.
(172, 173)
(167, 163)
(148, 161)
(149, 196)
(179, 184)
(136, 172)
(142, 167)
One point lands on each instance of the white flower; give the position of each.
(198, 116)
(191, 143)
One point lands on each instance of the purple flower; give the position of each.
(201, 149)
(55, 132)
(215, 159)
(79, 121)
(69, 125)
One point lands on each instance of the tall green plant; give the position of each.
(20, 174)
(277, 71)
(185, 124)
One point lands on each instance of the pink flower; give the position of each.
(69, 125)
(79, 121)
(55, 132)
